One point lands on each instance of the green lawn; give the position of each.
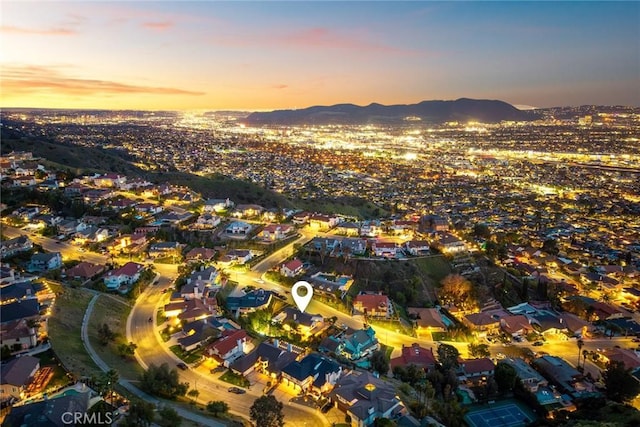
(64, 330)
(187, 356)
(235, 379)
(113, 313)
(437, 268)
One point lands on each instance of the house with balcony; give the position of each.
(356, 345)
(292, 268)
(373, 305)
(417, 247)
(385, 249)
(15, 246)
(125, 275)
(230, 346)
(45, 262)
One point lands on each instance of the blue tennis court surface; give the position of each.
(498, 415)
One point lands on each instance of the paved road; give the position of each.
(151, 350)
(193, 416)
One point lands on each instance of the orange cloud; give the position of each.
(280, 86)
(22, 80)
(10, 29)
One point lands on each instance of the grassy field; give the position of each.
(234, 379)
(64, 330)
(113, 313)
(437, 268)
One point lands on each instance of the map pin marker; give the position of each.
(302, 301)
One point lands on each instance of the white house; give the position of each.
(125, 275)
(292, 268)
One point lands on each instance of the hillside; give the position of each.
(79, 159)
(463, 109)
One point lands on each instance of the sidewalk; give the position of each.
(192, 416)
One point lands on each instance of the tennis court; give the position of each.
(505, 414)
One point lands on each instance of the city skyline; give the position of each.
(273, 55)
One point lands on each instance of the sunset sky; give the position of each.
(269, 55)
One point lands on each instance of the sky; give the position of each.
(272, 55)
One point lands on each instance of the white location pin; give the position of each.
(302, 301)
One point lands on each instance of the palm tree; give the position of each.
(585, 353)
(111, 377)
(580, 345)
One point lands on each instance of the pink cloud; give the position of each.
(160, 26)
(10, 29)
(280, 86)
(34, 79)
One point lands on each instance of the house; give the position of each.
(475, 371)
(240, 256)
(125, 275)
(16, 375)
(207, 221)
(371, 228)
(199, 332)
(482, 323)
(548, 324)
(45, 262)
(238, 229)
(516, 325)
(18, 333)
(254, 300)
(53, 412)
(21, 309)
(90, 234)
(385, 249)
(203, 278)
(374, 305)
(300, 218)
(273, 232)
(351, 246)
(323, 222)
(331, 284)
(627, 357)
(427, 320)
(84, 271)
(314, 374)
(217, 205)
(292, 268)
(417, 247)
(164, 249)
(415, 355)
(173, 218)
(268, 358)
(110, 180)
(15, 246)
(435, 224)
(232, 345)
(305, 323)
(364, 398)
(356, 345)
(200, 254)
(450, 244)
(559, 372)
(530, 378)
(247, 211)
(348, 229)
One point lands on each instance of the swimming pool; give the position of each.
(464, 395)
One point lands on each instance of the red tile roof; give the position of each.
(414, 355)
(475, 366)
(294, 264)
(228, 341)
(371, 302)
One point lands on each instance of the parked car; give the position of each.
(236, 390)
(538, 343)
(182, 366)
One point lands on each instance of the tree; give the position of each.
(448, 356)
(5, 352)
(193, 393)
(550, 246)
(621, 385)
(105, 334)
(456, 289)
(163, 382)
(140, 414)
(481, 230)
(379, 362)
(479, 350)
(169, 417)
(217, 408)
(266, 411)
(125, 349)
(109, 379)
(505, 376)
(580, 343)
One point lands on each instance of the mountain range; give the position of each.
(462, 110)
